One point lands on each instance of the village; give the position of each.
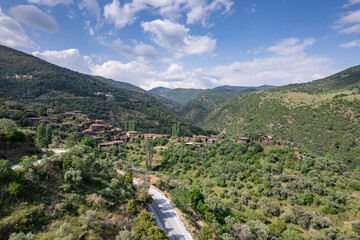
(79, 124)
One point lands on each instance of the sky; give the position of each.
(188, 43)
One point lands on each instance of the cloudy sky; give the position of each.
(188, 43)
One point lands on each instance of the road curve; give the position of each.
(57, 152)
(166, 217)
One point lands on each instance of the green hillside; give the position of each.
(180, 95)
(322, 115)
(29, 80)
(196, 110)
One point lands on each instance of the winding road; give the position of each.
(166, 217)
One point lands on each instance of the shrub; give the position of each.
(5, 169)
(132, 207)
(88, 218)
(73, 177)
(205, 233)
(126, 235)
(270, 209)
(14, 188)
(22, 236)
(356, 226)
(277, 227)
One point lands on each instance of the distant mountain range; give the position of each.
(184, 95)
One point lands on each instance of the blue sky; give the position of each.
(187, 43)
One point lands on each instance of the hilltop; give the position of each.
(185, 95)
(322, 115)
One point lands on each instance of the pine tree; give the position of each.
(48, 135)
(149, 145)
(132, 125)
(176, 129)
(41, 135)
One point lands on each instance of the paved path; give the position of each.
(57, 152)
(166, 217)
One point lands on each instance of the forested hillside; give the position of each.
(322, 115)
(29, 80)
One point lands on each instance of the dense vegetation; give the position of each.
(322, 116)
(251, 191)
(76, 195)
(15, 143)
(31, 81)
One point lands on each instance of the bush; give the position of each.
(22, 236)
(356, 226)
(73, 177)
(126, 235)
(270, 209)
(64, 232)
(277, 227)
(88, 218)
(5, 169)
(205, 233)
(292, 234)
(132, 207)
(14, 188)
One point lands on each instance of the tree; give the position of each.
(7, 125)
(148, 146)
(242, 231)
(5, 169)
(48, 135)
(176, 129)
(88, 141)
(132, 125)
(73, 177)
(41, 135)
(129, 178)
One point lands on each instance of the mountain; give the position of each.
(240, 88)
(323, 115)
(196, 110)
(180, 95)
(118, 84)
(185, 95)
(27, 79)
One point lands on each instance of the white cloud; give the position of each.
(350, 3)
(134, 72)
(92, 6)
(291, 46)
(139, 50)
(348, 23)
(196, 11)
(175, 38)
(288, 64)
(120, 15)
(355, 43)
(70, 58)
(12, 34)
(51, 3)
(34, 17)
